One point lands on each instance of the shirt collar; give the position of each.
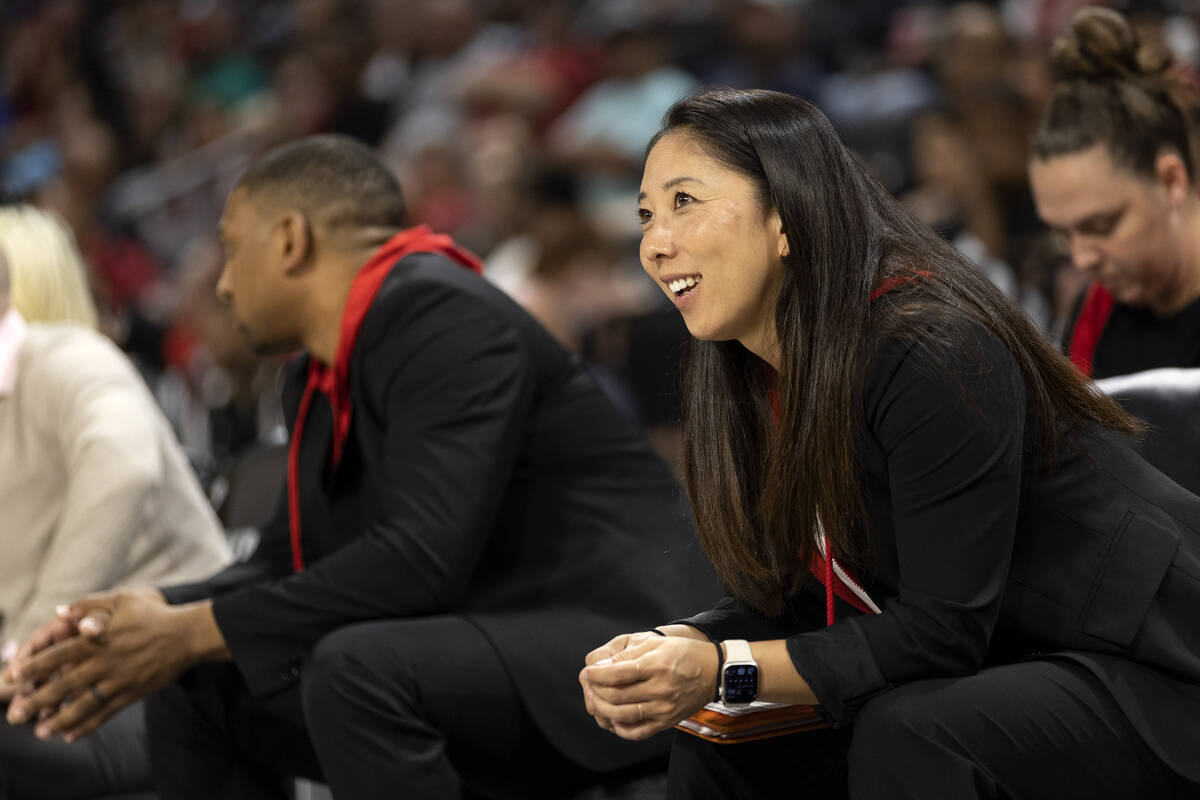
(12, 333)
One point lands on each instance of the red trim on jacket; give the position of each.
(896, 281)
(1089, 327)
(334, 381)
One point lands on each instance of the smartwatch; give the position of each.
(739, 676)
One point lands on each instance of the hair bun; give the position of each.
(1103, 45)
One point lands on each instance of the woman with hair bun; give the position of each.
(928, 521)
(1114, 170)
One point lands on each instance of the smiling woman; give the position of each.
(893, 472)
(1113, 171)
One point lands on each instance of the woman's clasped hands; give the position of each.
(639, 684)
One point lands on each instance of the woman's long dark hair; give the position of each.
(756, 501)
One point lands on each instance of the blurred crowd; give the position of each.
(517, 126)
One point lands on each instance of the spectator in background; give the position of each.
(603, 135)
(226, 80)
(984, 83)
(954, 197)
(1113, 169)
(435, 144)
(765, 49)
(1048, 258)
(542, 79)
(448, 42)
(319, 91)
(386, 73)
(94, 489)
(559, 268)
(218, 393)
(125, 278)
(570, 279)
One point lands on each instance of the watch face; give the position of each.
(741, 683)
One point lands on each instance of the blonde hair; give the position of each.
(47, 276)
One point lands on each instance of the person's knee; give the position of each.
(165, 710)
(885, 717)
(176, 718)
(914, 742)
(889, 733)
(334, 667)
(341, 674)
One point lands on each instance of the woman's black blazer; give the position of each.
(985, 548)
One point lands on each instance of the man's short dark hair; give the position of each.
(335, 179)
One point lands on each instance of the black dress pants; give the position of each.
(419, 708)
(1037, 729)
(110, 760)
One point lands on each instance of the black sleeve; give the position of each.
(728, 619)
(458, 387)
(950, 419)
(732, 619)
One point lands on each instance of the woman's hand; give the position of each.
(626, 640)
(640, 684)
(618, 644)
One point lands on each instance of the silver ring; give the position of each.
(100, 697)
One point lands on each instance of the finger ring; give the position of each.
(101, 697)
(641, 714)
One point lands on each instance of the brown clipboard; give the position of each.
(725, 725)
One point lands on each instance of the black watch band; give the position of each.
(720, 670)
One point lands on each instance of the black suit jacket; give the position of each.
(485, 474)
(985, 550)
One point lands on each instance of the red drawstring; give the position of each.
(822, 569)
(829, 616)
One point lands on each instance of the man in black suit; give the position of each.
(465, 516)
